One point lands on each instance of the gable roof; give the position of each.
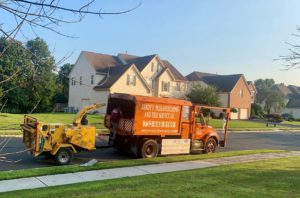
(142, 61)
(224, 83)
(100, 61)
(114, 74)
(294, 102)
(197, 76)
(250, 83)
(177, 75)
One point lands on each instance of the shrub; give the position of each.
(274, 117)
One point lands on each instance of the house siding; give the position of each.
(294, 111)
(241, 102)
(82, 95)
(121, 85)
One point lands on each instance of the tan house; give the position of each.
(95, 76)
(233, 89)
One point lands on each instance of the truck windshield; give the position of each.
(200, 119)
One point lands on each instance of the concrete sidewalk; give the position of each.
(114, 173)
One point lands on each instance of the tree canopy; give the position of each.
(28, 77)
(204, 95)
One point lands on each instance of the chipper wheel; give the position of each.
(149, 149)
(210, 146)
(63, 156)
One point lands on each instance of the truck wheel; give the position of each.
(210, 146)
(149, 149)
(63, 156)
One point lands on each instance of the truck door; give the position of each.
(199, 127)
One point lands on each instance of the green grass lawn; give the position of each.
(241, 125)
(296, 123)
(4, 175)
(267, 178)
(10, 123)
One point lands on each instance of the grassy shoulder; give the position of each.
(10, 123)
(4, 175)
(267, 178)
(295, 123)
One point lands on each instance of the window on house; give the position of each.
(241, 93)
(152, 67)
(73, 81)
(177, 86)
(92, 79)
(131, 79)
(165, 86)
(80, 80)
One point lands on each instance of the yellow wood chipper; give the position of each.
(59, 140)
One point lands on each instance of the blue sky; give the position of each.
(215, 36)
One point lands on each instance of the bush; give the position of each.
(274, 117)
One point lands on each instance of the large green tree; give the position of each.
(42, 83)
(204, 95)
(15, 69)
(62, 82)
(263, 87)
(272, 99)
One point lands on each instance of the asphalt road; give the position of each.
(236, 141)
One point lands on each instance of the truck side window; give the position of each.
(200, 119)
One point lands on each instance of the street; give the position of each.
(236, 141)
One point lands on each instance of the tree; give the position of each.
(204, 95)
(42, 83)
(15, 68)
(274, 101)
(263, 86)
(62, 81)
(292, 59)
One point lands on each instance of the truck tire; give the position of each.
(63, 156)
(210, 146)
(149, 149)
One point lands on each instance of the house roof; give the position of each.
(294, 89)
(177, 75)
(224, 83)
(283, 89)
(197, 76)
(142, 61)
(117, 65)
(112, 75)
(100, 61)
(294, 102)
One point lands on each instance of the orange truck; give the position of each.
(152, 126)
